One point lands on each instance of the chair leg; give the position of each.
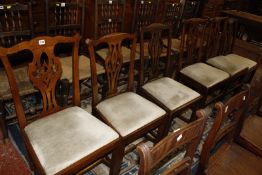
(3, 125)
(168, 123)
(117, 157)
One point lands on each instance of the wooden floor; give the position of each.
(234, 160)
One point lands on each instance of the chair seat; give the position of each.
(170, 93)
(146, 52)
(231, 63)
(175, 44)
(84, 68)
(234, 160)
(125, 51)
(128, 112)
(65, 137)
(24, 85)
(204, 74)
(252, 131)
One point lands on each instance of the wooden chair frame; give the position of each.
(46, 45)
(113, 66)
(188, 136)
(231, 110)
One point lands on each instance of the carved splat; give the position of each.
(44, 72)
(113, 65)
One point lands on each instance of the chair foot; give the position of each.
(117, 157)
(3, 124)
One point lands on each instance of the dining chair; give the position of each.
(160, 88)
(66, 18)
(58, 140)
(131, 115)
(187, 137)
(220, 154)
(16, 25)
(192, 70)
(222, 34)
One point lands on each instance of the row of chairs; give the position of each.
(129, 114)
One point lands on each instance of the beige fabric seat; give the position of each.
(146, 52)
(170, 92)
(24, 85)
(175, 44)
(204, 74)
(65, 137)
(252, 131)
(231, 63)
(84, 68)
(125, 51)
(128, 112)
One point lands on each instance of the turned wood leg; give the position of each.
(117, 157)
(2, 121)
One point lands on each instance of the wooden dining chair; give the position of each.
(187, 137)
(222, 35)
(131, 115)
(171, 95)
(192, 71)
(16, 25)
(67, 18)
(60, 140)
(220, 155)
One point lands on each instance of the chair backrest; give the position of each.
(113, 63)
(226, 121)
(109, 17)
(153, 36)
(44, 71)
(65, 17)
(193, 41)
(187, 137)
(172, 14)
(144, 14)
(16, 23)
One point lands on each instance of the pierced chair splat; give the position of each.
(59, 140)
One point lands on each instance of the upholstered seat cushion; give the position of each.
(128, 112)
(204, 74)
(170, 92)
(231, 63)
(24, 85)
(146, 52)
(252, 131)
(84, 68)
(175, 44)
(65, 137)
(125, 52)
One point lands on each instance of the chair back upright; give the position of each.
(151, 39)
(227, 119)
(65, 17)
(44, 71)
(113, 63)
(16, 23)
(193, 41)
(187, 137)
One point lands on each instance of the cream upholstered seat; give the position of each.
(170, 92)
(204, 74)
(84, 68)
(23, 83)
(146, 52)
(231, 63)
(65, 137)
(175, 47)
(128, 112)
(125, 51)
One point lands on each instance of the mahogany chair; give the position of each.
(171, 95)
(250, 132)
(228, 158)
(187, 137)
(16, 25)
(67, 18)
(192, 71)
(59, 140)
(131, 115)
(222, 35)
